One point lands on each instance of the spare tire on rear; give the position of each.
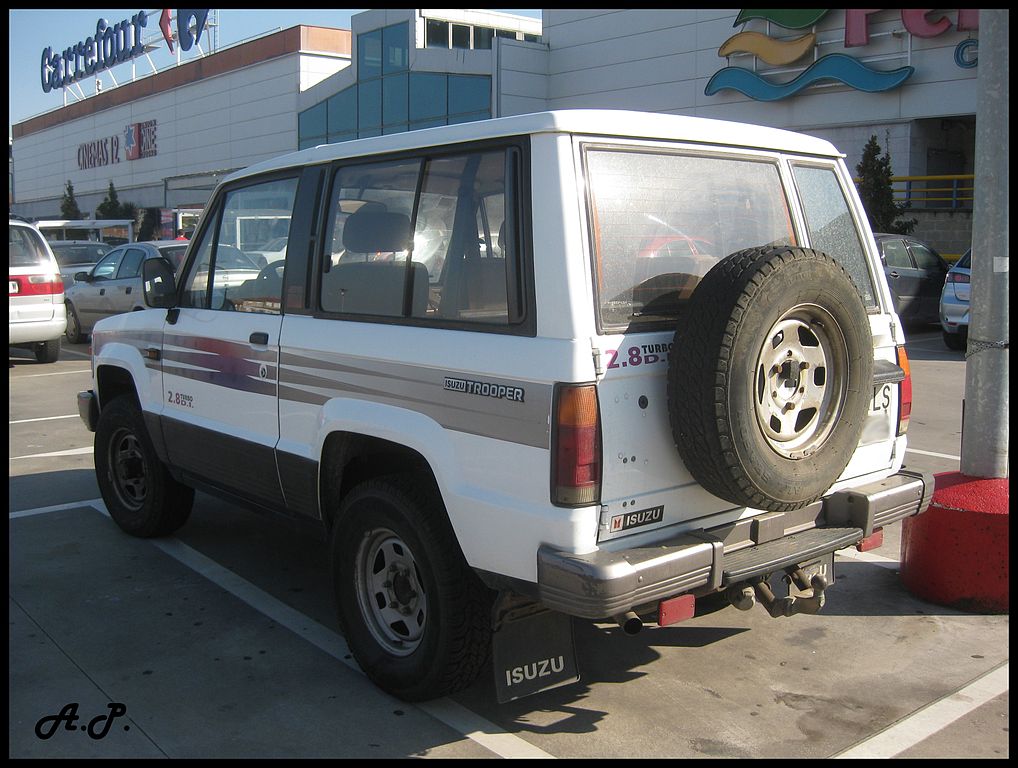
(769, 381)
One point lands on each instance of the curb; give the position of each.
(956, 553)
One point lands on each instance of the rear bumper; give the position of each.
(35, 331)
(607, 583)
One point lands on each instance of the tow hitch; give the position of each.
(805, 588)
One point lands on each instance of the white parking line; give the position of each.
(446, 711)
(44, 418)
(931, 719)
(932, 453)
(55, 373)
(69, 452)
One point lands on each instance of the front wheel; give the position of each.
(140, 495)
(414, 614)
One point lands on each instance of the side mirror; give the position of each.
(158, 283)
(82, 277)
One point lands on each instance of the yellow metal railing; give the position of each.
(947, 191)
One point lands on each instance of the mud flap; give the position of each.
(532, 649)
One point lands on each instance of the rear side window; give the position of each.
(896, 254)
(831, 226)
(429, 239)
(27, 248)
(659, 220)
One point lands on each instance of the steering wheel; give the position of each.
(272, 271)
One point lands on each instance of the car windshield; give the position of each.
(78, 253)
(27, 248)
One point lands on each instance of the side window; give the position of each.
(831, 226)
(371, 239)
(131, 264)
(439, 254)
(229, 273)
(107, 268)
(924, 257)
(896, 255)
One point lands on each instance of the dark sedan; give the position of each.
(915, 273)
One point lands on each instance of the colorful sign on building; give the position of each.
(838, 67)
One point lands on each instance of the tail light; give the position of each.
(957, 277)
(36, 285)
(576, 447)
(904, 392)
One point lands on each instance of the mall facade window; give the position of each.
(388, 98)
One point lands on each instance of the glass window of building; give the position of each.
(394, 99)
(460, 36)
(369, 54)
(469, 93)
(427, 96)
(342, 113)
(369, 104)
(482, 37)
(396, 47)
(436, 34)
(311, 126)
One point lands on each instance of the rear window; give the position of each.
(174, 254)
(660, 220)
(27, 248)
(78, 253)
(965, 262)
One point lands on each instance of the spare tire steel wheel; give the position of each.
(769, 383)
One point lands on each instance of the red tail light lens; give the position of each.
(957, 277)
(904, 393)
(576, 447)
(36, 285)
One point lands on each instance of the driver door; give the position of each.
(221, 352)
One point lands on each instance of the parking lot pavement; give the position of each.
(221, 641)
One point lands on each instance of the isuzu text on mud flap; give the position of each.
(579, 364)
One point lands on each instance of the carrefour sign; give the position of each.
(114, 44)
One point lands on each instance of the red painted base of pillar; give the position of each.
(956, 553)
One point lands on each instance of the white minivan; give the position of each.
(588, 364)
(35, 293)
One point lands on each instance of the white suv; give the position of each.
(35, 293)
(573, 364)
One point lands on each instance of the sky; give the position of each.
(31, 31)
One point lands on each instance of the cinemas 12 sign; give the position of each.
(137, 141)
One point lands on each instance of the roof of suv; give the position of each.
(602, 122)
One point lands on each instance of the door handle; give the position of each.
(102, 291)
(894, 274)
(259, 337)
(128, 289)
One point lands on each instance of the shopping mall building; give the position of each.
(907, 77)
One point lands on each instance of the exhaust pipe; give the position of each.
(631, 623)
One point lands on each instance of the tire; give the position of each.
(73, 332)
(956, 341)
(47, 351)
(416, 617)
(751, 425)
(140, 495)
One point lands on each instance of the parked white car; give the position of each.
(35, 300)
(583, 364)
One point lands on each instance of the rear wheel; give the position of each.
(47, 351)
(955, 341)
(140, 495)
(414, 614)
(74, 334)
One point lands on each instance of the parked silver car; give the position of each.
(954, 303)
(113, 285)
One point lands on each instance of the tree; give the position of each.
(68, 205)
(877, 194)
(109, 208)
(150, 224)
